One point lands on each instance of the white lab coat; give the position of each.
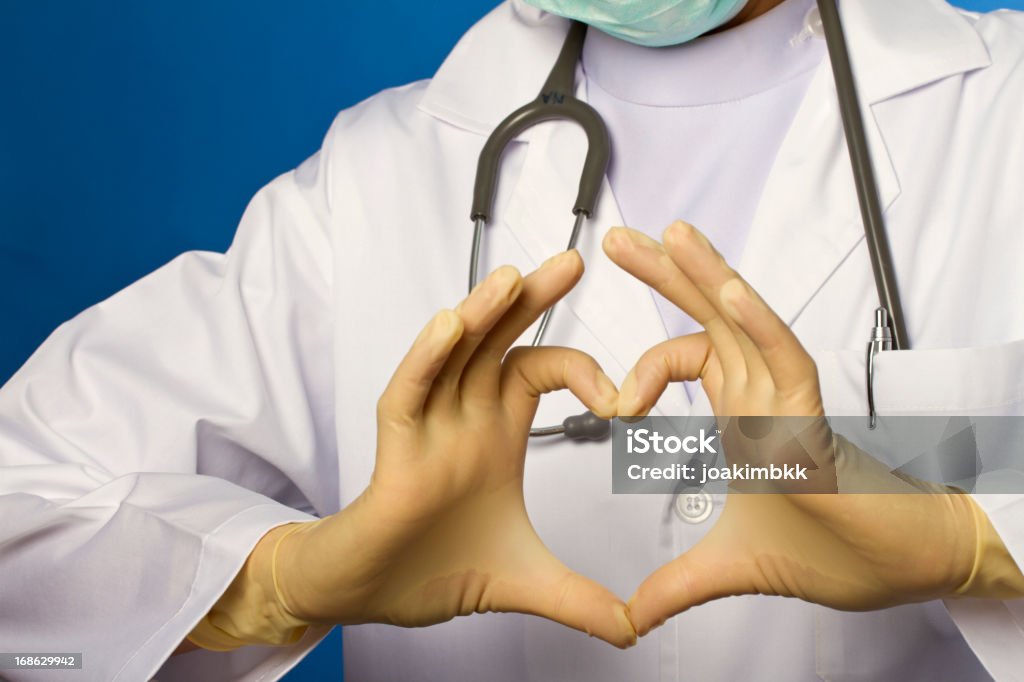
(153, 439)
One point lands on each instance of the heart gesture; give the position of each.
(848, 551)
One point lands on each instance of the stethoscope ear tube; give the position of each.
(555, 102)
(863, 174)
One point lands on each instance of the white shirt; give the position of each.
(695, 128)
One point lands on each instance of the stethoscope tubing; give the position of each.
(863, 174)
(556, 101)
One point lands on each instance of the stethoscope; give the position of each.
(556, 102)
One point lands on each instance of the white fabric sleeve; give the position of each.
(994, 628)
(151, 441)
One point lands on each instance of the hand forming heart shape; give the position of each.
(910, 541)
(442, 529)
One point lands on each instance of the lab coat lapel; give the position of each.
(617, 309)
(808, 220)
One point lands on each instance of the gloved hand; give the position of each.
(920, 541)
(442, 529)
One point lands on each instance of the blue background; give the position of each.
(132, 131)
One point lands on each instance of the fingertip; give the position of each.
(507, 273)
(652, 627)
(677, 231)
(630, 404)
(616, 240)
(619, 631)
(638, 626)
(633, 413)
(508, 268)
(447, 326)
(642, 625)
(573, 257)
(565, 262)
(622, 615)
(510, 279)
(607, 404)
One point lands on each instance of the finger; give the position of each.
(536, 582)
(480, 311)
(777, 348)
(542, 288)
(528, 373)
(580, 603)
(411, 383)
(790, 366)
(680, 359)
(647, 260)
(703, 265)
(700, 575)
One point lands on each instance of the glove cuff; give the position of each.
(995, 574)
(252, 611)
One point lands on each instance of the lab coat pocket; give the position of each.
(985, 380)
(929, 387)
(911, 643)
(917, 641)
(969, 381)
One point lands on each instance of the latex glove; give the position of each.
(442, 529)
(846, 551)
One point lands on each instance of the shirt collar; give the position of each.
(502, 62)
(721, 67)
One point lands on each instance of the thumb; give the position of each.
(529, 372)
(705, 573)
(576, 601)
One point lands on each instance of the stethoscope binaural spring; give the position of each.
(556, 101)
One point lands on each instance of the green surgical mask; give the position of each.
(654, 23)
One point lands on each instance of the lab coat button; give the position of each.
(694, 506)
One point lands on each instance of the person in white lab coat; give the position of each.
(152, 441)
